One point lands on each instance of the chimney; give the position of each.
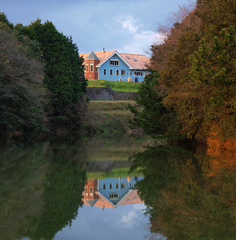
(103, 50)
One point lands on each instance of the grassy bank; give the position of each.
(111, 117)
(119, 172)
(115, 85)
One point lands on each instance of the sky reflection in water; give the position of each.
(123, 222)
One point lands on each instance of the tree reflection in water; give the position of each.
(188, 195)
(42, 190)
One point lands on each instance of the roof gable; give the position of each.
(115, 53)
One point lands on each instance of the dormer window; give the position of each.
(114, 62)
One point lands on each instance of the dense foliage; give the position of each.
(42, 78)
(196, 63)
(64, 75)
(21, 84)
(155, 119)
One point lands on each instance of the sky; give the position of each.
(123, 222)
(128, 26)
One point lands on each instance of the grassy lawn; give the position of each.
(115, 85)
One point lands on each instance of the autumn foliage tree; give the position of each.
(196, 62)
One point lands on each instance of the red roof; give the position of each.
(136, 61)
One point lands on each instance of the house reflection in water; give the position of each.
(111, 192)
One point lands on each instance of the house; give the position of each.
(111, 192)
(114, 66)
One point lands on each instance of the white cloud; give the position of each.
(128, 22)
(129, 220)
(141, 42)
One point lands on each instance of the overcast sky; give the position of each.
(127, 26)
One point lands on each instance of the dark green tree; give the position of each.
(155, 119)
(64, 75)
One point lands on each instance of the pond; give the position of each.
(90, 190)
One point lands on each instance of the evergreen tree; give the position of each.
(64, 75)
(155, 119)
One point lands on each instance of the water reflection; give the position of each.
(41, 190)
(46, 192)
(189, 195)
(111, 192)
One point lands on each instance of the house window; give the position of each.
(117, 186)
(122, 185)
(110, 186)
(104, 186)
(96, 69)
(104, 71)
(91, 191)
(114, 62)
(86, 190)
(87, 67)
(138, 73)
(123, 72)
(130, 73)
(113, 196)
(110, 71)
(91, 67)
(117, 72)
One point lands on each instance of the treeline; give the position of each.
(42, 83)
(191, 92)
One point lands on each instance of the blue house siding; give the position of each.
(116, 187)
(121, 71)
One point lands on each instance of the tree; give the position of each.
(213, 67)
(64, 75)
(155, 119)
(21, 84)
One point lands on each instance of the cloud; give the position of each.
(129, 220)
(128, 22)
(141, 42)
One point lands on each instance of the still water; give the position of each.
(89, 190)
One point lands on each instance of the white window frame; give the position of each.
(110, 186)
(123, 72)
(114, 196)
(138, 73)
(114, 62)
(110, 72)
(122, 185)
(117, 72)
(104, 72)
(104, 186)
(91, 67)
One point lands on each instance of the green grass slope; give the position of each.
(115, 85)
